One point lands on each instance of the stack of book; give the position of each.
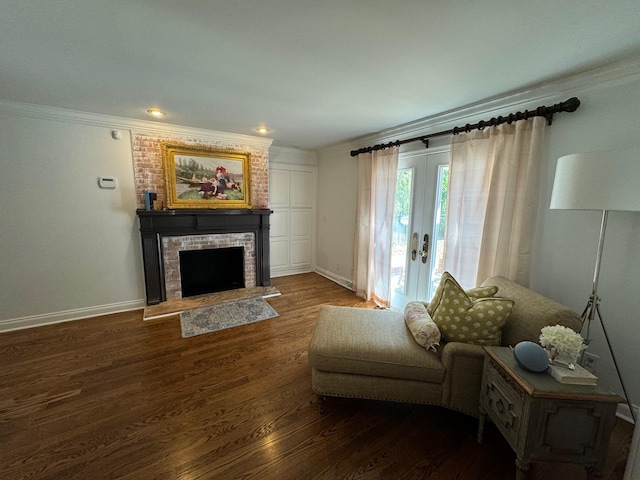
(149, 199)
(577, 376)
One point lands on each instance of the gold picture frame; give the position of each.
(203, 177)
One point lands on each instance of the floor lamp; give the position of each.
(603, 181)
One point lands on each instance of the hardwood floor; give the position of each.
(115, 397)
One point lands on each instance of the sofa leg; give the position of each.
(322, 400)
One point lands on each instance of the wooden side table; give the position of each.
(543, 419)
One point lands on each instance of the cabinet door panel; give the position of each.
(301, 223)
(301, 189)
(300, 252)
(504, 406)
(279, 188)
(279, 224)
(279, 253)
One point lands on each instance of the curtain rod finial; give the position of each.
(569, 106)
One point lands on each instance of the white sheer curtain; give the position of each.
(493, 199)
(377, 174)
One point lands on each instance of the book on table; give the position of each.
(577, 376)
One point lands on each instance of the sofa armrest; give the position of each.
(531, 312)
(463, 363)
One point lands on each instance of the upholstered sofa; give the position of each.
(371, 354)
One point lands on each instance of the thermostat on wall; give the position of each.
(107, 182)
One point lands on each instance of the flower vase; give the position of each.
(558, 357)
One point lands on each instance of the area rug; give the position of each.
(225, 315)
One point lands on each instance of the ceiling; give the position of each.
(316, 72)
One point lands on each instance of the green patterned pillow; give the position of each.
(461, 319)
(474, 293)
(482, 292)
(435, 300)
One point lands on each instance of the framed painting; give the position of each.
(202, 177)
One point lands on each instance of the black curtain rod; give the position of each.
(570, 105)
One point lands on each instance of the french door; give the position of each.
(418, 226)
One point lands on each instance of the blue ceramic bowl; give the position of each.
(531, 356)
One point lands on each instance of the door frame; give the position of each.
(421, 222)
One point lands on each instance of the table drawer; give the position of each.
(503, 401)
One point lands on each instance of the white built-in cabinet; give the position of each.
(292, 197)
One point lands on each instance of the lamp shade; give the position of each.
(604, 180)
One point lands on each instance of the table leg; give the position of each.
(521, 469)
(481, 421)
(593, 473)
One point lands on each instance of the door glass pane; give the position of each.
(401, 233)
(437, 254)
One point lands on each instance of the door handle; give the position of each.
(424, 253)
(414, 245)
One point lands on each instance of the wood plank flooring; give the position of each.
(116, 397)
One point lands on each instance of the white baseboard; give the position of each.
(281, 272)
(68, 315)
(345, 282)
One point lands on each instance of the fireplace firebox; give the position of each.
(211, 270)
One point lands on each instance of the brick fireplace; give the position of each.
(187, 229)
(166, 232)
(173, 245)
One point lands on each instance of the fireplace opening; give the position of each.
(211, 270)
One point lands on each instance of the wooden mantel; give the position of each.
(156, 224)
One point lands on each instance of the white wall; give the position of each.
(565, 241)
(337, 195)
(69, 248)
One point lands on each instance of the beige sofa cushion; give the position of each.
(531, 311)
(370, 342)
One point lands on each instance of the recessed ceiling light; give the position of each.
(156, 112)
(262, 130)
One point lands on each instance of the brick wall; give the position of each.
(172, 246)
(147, 163)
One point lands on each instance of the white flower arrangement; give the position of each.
(563, 340)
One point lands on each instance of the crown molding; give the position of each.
(295, 156)
(552, 91)
(139, 126)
